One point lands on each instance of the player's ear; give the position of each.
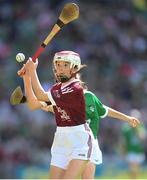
(77, 70)
(74, 69)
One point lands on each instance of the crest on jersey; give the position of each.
(63, 114)
(56, 93)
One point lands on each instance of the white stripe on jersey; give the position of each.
(51, 98)
(106, 113)
(67, 90)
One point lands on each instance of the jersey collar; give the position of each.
(69, 82)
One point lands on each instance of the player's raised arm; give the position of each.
(38, 89)
(32, 101)
(121, 116)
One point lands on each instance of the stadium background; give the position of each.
(111, 37)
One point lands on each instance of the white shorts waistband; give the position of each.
(74, 128)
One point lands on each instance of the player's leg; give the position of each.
(75, 169)
(59, 163)
(56, 172)
(134, 170)
(76, 143)
(134, 161)
(89, 171)
(96, 158)
(82, 143)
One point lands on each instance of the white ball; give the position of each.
(20, 57)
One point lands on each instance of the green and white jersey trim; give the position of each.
(106, 113)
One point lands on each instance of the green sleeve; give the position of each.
(102, 110)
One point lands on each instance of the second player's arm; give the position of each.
(121, 116)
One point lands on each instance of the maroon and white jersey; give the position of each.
(69, 103)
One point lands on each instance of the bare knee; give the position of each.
(75, 169)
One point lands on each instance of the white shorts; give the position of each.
(96, 156)
(74, 142)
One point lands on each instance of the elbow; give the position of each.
(39, 98)
(31, 106)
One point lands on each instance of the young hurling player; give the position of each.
(133, 140)
(73, 140)
(95, 110)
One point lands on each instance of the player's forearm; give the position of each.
(117, 115)
(38, 90)
(32, 101)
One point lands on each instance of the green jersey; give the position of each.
(133, 142)
(95, 110)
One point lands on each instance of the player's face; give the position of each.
(63, 70)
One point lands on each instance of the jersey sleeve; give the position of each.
(102, 109)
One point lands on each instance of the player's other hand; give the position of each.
(48, 108)
(134, 122)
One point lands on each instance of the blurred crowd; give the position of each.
(110, 36)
